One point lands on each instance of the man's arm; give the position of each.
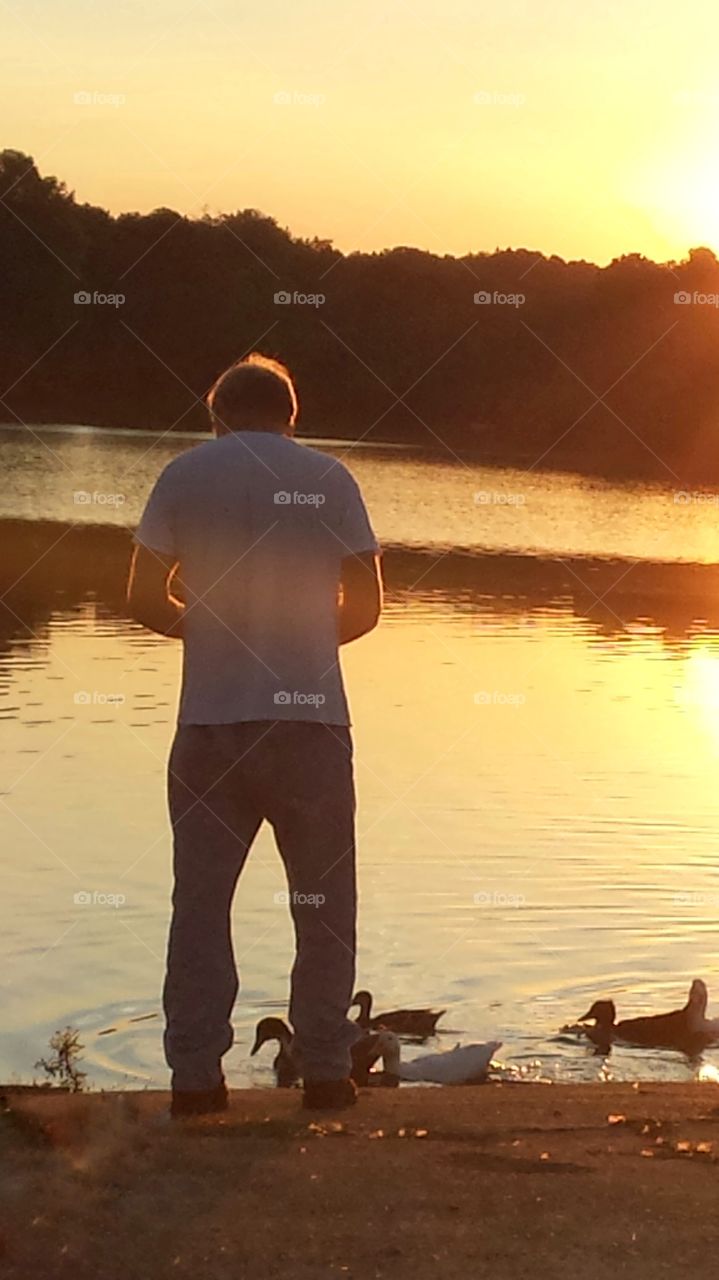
(360, 603)
(148, 592)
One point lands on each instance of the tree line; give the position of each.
(509, 357)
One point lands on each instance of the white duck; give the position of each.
(698, 1001)
(465, 1064)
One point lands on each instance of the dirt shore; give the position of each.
(509, 1180)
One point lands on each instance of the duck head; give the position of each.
(271, 1029)
(362, 999)
(696, 1006)
(365, 1052)
(602, 1012)
(387, 1047)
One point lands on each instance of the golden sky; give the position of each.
(573, 127)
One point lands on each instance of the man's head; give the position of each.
(256, 394)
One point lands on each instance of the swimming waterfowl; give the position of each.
(465, 1064)
(287, 1071)
(404, 1022)
(365, 1053)
(687, 1028)
(707, 1026)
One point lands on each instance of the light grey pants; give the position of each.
(223, 781)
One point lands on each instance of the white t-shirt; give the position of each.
(260, 525)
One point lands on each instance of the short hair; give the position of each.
(254, 387)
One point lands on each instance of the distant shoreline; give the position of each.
(675, 595)
(85, 429)
(437, 453)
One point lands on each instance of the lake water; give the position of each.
(537, 741)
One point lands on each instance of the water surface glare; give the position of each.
(538, 811)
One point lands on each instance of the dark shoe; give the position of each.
(198, 1102)
(329, 1095)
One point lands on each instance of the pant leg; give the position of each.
(215, 818)
(312, 808)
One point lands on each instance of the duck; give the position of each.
(687, 1028)
(707, 1026)
(465, 1064)
(419, 1023)
(365, 1053)
(286, 1068)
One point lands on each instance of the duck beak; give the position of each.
(588, 1017)
(257, 1045)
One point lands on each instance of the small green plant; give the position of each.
(62, 1067)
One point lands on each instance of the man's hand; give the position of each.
(149, 597)
(360, 603)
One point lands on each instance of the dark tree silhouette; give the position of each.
(597, 369)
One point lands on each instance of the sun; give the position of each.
(679, 193)
(700, 690)
(697, 204)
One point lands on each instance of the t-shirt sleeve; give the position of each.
(355, 530)
(156, 529)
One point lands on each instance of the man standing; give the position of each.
(258, 553)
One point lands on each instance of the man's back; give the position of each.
(277, 566)
(260, 526)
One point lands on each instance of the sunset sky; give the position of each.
(586, 130)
